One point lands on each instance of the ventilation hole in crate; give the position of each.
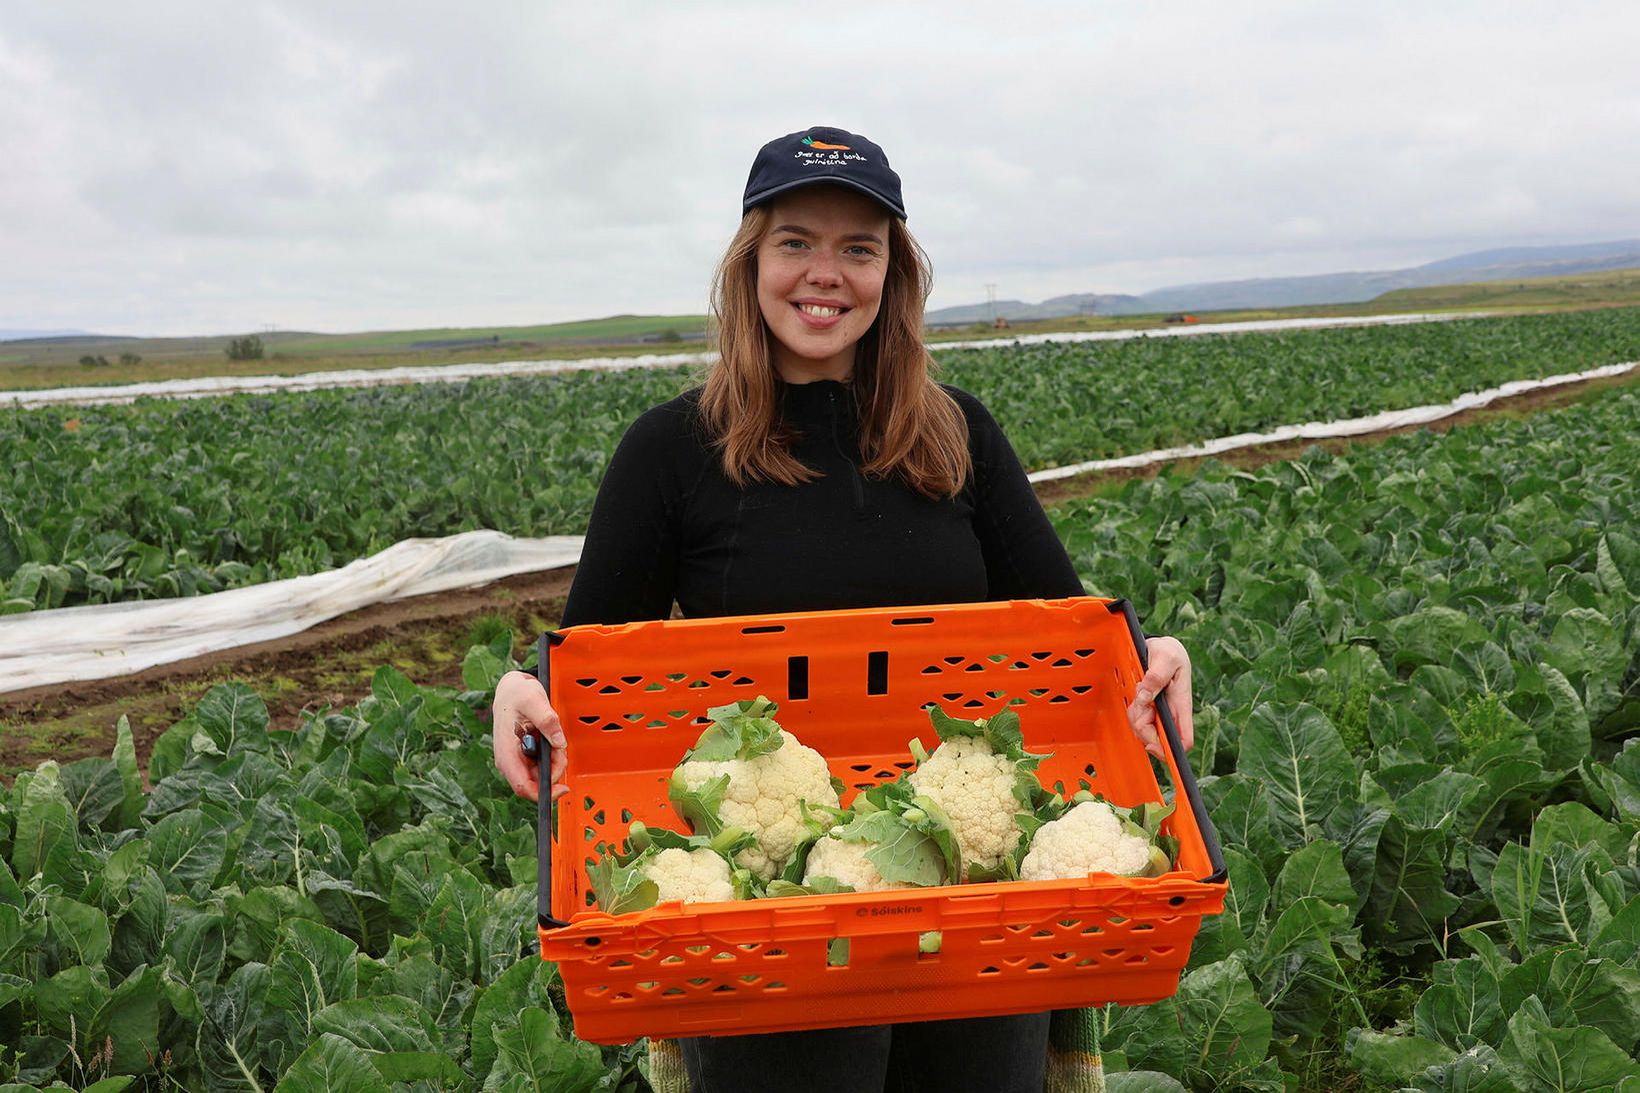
(775, 985)
(837, 952)
(1039, 966)
(697, 950)
(973, 704)
(750, 978)
(920, 620)
(932, 670)
(1043, 933)
(1016, 702)
(589, 833)
(996, 694)
(884, 774)
(586, 682)
(602, 988)
(990, 939)
(1058, 698)
(1019, 929)
(655, 687)
(951, 696)
(1059, 787)
(588, 803)
(1137, 958)
(997, 658)
(991, 970)
(1018, 666)
(588, 719)
(632, 679)
(905, 764)
(626, 815)
(774, 954)
(877, 672)
(1084, 653)
(610, 689)
(1088, 770)
(723, 956)
(1117, 951)
(649, 985)
(723, 988)
(747, 946)
(863, 786)
(722, 673)
(775, 629)
(633, 716)
(1144, 926)
(591, 897)
(1093, 930)
(655, 725)
(623, 962)
(1082, 689)
(975, 668)
(699, 981)
(1038, 692)
(697, 684)
(671, 992)
(797, 678)
(611, 727)
(675, 677)
(1085, 962)
(861, 767)
(670, 960)
(1116, 920)
(1042, 656)
(743, 681)
(1070, 922)
(677, 714)
(647, 954)
(1175, 901)
(1062, 957)
(1163, 950)
(955, 660)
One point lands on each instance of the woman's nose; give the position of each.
(823, 270)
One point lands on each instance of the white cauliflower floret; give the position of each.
(846, 863)
(700, 875)
(975, 788)
(1090, 838)
(763, 798)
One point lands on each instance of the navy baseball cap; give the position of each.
(823, 154)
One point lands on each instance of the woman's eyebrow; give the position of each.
(853, 237)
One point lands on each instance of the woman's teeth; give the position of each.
(820, 312)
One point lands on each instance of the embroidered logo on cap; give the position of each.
(812, 143)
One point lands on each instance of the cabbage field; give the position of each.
(175, 498)
(1418, 719)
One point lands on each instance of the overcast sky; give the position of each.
(194, 167)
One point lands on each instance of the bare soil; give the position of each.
(331, 664)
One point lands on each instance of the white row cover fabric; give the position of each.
(102, 640)
(213, 386)
(95, 642)
(1326, 430)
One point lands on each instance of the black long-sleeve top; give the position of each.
(668, 526)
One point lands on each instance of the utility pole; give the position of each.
(991, 300)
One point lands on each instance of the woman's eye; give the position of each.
(791, 244)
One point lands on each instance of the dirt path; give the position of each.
(331, 664)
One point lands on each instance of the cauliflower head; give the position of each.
(746, 771)
(1092, 838)
(700, 875)
(846, 863)
(974, 786)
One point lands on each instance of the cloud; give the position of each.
(186, 167)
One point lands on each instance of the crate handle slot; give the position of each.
(797, 678)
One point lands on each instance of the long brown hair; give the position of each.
(909, 426)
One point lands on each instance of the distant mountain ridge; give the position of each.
(26, 335)
(1502, 264)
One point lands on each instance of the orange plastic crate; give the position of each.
(854, 686)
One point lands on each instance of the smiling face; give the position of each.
(820, 271)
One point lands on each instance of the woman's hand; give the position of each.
(521, 706)
(1170, 668)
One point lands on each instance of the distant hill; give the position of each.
(26, 335)
(1504, 264)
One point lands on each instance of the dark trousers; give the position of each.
(978, 1054)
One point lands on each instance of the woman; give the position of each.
(821, 467)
